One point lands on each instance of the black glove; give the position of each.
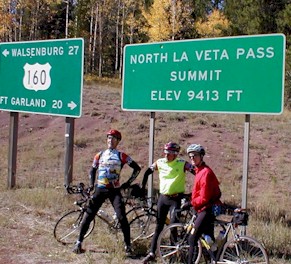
(143, 192)
(124, 185)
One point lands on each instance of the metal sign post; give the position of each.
(12, 153)
(69, 149)
(245, 166)
(151, 154)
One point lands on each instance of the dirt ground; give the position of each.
(26, 225)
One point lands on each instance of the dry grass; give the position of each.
(31, 210)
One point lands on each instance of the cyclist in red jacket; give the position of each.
(205, 194)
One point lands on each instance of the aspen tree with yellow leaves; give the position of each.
(170, 20)
(215, 25)
(6, 22)
(158, 20)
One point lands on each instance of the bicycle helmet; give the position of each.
(114, 133)
(196, 148)
(172, 148)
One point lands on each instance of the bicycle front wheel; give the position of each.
(142, 226)
(173, 245)
(244, 250)
(67, 228)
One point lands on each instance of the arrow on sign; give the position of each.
(5, 52)
(72, 105)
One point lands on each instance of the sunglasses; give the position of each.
(112, 137)
(191, 156)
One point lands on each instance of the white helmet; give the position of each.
(196, 148)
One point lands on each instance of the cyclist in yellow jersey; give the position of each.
(172, 179)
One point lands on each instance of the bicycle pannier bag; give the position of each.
(240, 218)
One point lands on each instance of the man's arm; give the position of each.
(135, 172)
(92, 176)
(94, 168)
(148, 172)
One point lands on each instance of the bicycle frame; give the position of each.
(233, 249)
(229, 231)
(253, 249)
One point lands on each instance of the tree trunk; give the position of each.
(100, 41)
(95, 36)
(117, 36)
(90, 60)
(121, 41)
(20, 25)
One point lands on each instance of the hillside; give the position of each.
(40, 164)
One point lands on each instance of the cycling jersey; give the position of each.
(109, 164)
(172, 176)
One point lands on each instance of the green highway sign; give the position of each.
(42, 77)
(242, 74)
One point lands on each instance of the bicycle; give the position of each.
(140, 216)
(231, 247)
(147, 205)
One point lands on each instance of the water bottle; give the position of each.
(209, 241)
(114, 221)
(190, 228)
(103, 215)
(114, 216)
(193, 229)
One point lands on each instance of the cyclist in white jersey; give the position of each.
(109, 164)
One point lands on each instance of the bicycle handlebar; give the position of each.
(78, 189)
